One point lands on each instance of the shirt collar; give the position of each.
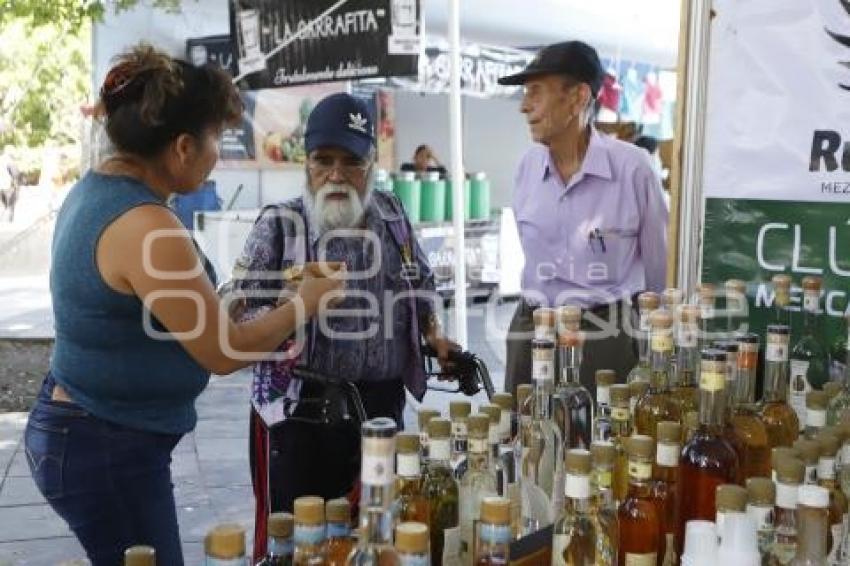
(595, 162)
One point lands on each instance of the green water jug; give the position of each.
(433, 205)
(408, 189)
(479, 197)
(449, 203)
(383, 181)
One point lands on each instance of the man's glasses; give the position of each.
(351, 169)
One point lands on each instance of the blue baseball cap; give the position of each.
(340, 120)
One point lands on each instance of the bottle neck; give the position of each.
(661, 354)
(810, 312)
(570, 361)
(745, 385)
(542, 393)
(640, 475)
(705, 325)
(643, 338)
(712, 396)
(687, 361)
(479, 454)
(438, 452)
(812, 534)
(578, 494)
(776, 381)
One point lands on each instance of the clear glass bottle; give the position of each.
(140, 555)
(841, 402)
(524, 406)
(494, 462)
(621, 429)
(737, 309)
(507, 465)
(442, 492)
(781, 299)
(637, 389)
(459, 412)
(665, 486)
(575, 536)
(478, 482)
(684, 384)
(658, 404)
(691, 425)
(339, 542)
(789, 477)
(409, 488)
(281, 546)
(730, 347)
(605, 378)
(638, 516)
(648, 302)
(778, 416)
(747, 430)
(424, 416)
(492, 547)
(411, 544)
(224, 545)
(809, 452)
(761, 501)
(706, 293)
(572, 403)
(816, 403)
(708, 459)
(671, 301)
(602, 455)
(374, 546)
(812, 526)
(809, 360)
(829, 446)
(309, 531)
(729, 498)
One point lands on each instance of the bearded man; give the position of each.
(372, 336)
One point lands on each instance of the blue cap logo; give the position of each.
(358, 122)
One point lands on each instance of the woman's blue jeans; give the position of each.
(111, 484)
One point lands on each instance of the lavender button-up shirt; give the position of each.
(598, 238)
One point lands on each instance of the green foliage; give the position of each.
(70, 13)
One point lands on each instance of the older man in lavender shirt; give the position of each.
(590, 213)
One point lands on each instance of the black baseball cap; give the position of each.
(572, 58)
(340, 120)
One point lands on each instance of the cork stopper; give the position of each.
(492, 411)
(790, 471)
(496, 511)
(140, 556)
(671, 297)
(439, 428)
(829, 445)
(523, 392)
(689, 314)
(620, 394)
(730, 497)
(602, 454)
(638, 388)
(812, 283)
(781, 281)
(669, 432)
(747, 338)
(817, 400)
(479, 425)
(761, 491)
(281, 525)
(648, 301)
(407, 443)
(809, 451)
(569, 317)
(544, 317)
(411, 538)
(505, 401)
(459, 409)
(832, 388)
(660, 319)
(225, 542)
(578, 462)
(779, 452)
(571, 338)
(309, 510)
(736, 286)
(606, 377)
(640, 446)
(425, 415)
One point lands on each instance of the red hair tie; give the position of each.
(117, 79)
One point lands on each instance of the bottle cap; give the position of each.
(669, 432)
(661, 319)
(602, 454)
(832, 388)
(736, 285)
(459, 409)
(571, 338)
(479, 425)
(779, 452)
(689, 313)
(606, 377)
(713, 355)
(829, 445)
(809, 452)
(781, 329)
(439, 428)
(817, 400)
(671, 297)
(620, 394)
(505, 401)
(638, 388)
(309, 510)
(578, 462)
(790, 470)
(407, 443)
(226, 541)
(569, 316)
(728, 346)
(523, 392)
(813, 496)
(426, 415)
(640, 446)
(338, 511)
(761, 491)
(700, 544)
(648, 301)
(140, 556)
(379, 427)
(496, 510)
(781, 281)
(739, 541)
(494, 412)
(544, 316)
(812, 283)
(747, 338)
(281, 525)
(411, 538)
(731, 497)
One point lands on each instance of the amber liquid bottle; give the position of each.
(829, 446)
(639, 518)
(410, 492)
(684, 385)
(665, 485)
(339, 542)
(778, 416)
(657, 404)
(747, 431)
(621, 429)
(708, 459)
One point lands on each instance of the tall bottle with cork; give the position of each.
(789, 477)
(478, 482)
(639, 518)
(809, 364)
(665, 486)
(657, 404)
(605, 378)
(459, 412)
(572, 403)
(684, 385)
(224, 545)
(575, 534)
(602, 455)
(442, 492)
(778, 416)
(621, 429)
(412, 501)
(648, 302)
(747, 430)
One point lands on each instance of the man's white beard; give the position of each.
(334, 214)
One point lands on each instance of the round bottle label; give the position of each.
(620, 413)
(662, 343)
(408, 465)
(687, 337)
(667, 455)
(577, 487)
(640, 470)
(810, 302)
(712, 381)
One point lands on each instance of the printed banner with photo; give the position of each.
(777, 154)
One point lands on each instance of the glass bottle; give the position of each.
(309, 531)
(575, 536)
(665, 486)
(731, 350)
(442, 492)
(637, 389)
(781, 299)
(140, 556)
(657, 404)
(409, 488)
(761, 500)
(523, 395)
(809, 369)
(374, 546)
(809, 452)
(459, 413)
(411, 544)
(424, 417)
(816, 403)
(685, 389)
(780, 452)
(281, 547)
(478, 483)
(621, 429)
(671, 301)
(494, 462)
(339, 542)
(789, 476)
(841, 402)
(778, 416)
(604, 507)
(492, 547)
(572, 403)
(829, 446)
(812, 526)
(605, 378)
(707, 460)
(729, 498)
(691, 426)
(737, 309)
(224, 545)
(507, 465)
(647, 303)
(638, 516)
(706, 296)
(748, 432)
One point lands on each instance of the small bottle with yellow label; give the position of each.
(657, 403)
(639, 517)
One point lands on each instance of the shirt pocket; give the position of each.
(611, 246)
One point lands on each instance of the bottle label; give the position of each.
(494, 534)
(377, 470)
(763, 518)
(640, 470)
(451, 543)
(406, 559)
(644, 321)
(687, 337)
(338, 530)
(543, 365)
(776, 349)
(810, 302)
(815, 418)
(210, 561)
(577, 487)
(786, 495)
(560, 543)
(439, 449)
(459, 428)
(604, 478)
(505, 424)
(826, 469)
(408, 465)
(309, 534)
(544, 332)
(647, 559)
(667, 455)
(712, 381)
(798, 387)
(603, 395)
(478, 445)
(620, 414)
(423, 441)
(662, 343)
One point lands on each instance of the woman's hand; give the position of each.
(320, 293)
